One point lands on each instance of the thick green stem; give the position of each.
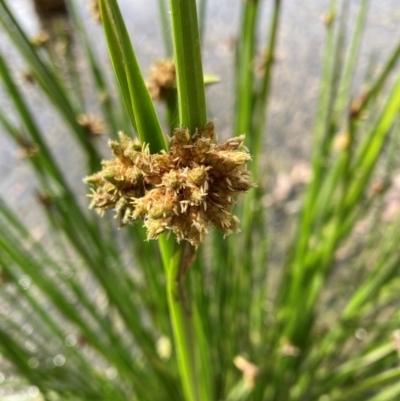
(189, 70)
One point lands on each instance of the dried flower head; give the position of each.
(94, 10)
(185, 191)
(91, 124)
(27, 148)
(50, 6)
(161, 79)
(27, 77)
(40, 39)
(249, 370)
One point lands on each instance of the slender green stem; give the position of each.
(351, 59)
(253, 210)
(360, 103)
(245, 74)
(202, 17)
(172, 109)
(181, 315)
(318, 157)
(193, 115)
(165, 26)
(260, 115)
(263, 95)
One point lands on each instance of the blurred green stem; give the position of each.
(165, 28)
(245, 73)
(260, 116)
(202, 17)
(263, 94)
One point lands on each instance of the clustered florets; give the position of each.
(184, 191)
(161, 79)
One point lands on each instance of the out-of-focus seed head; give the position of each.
(185, 191)
(40, 39)
(91, 124)
(161, 79)
(94, 10)
(27, 148)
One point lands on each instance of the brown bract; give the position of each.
(185, 191)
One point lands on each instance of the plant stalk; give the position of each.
(189, 69)
(175, 265)
(176, 260)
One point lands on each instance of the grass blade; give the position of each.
(137, 97)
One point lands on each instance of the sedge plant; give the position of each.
(184, 308)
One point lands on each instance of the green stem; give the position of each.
(141, 109)
(202, 17)
(172, 109)
(189, 69)
(260, 118)
(193, 115)
(264, 91)
(181, 315)
(165, 28)
(245, 74)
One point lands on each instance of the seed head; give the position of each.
(91, 124)
(40, 39)
(161, 79)
(94, 10)
(185, 191)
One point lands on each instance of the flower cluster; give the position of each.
(92, 125)
(161, 79)
(184, 191)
